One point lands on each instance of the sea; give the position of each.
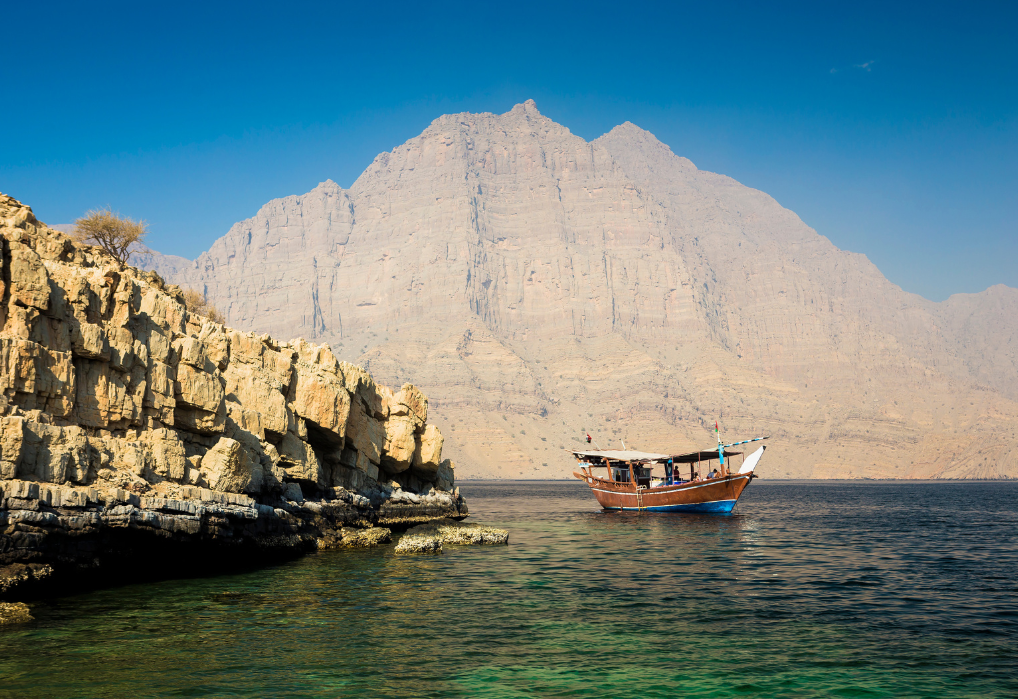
(809, 589)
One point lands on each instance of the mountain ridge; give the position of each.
(541, 286)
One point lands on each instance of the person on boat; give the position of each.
(713, 474)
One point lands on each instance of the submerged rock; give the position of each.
(14, 613)
(429, 538)
(418, 543)
(350, 537)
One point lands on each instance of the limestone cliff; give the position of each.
(543, 286)
(124, 417)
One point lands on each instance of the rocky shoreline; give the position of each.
(59, 538)
(141, 439)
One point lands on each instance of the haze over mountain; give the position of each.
(538, 286)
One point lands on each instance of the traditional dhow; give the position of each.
(630, 484)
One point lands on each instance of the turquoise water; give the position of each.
(808, 590)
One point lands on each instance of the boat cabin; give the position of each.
(637, 467)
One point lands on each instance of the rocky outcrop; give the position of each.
(431, 537)
(14, 613)
(129, 424)
(543, 287)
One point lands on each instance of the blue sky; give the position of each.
(890, 128)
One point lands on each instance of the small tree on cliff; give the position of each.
(196, 302)
(116, 234)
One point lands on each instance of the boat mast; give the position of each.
(721, 448)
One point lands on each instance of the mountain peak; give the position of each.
(529, 108)
(628, 127)
(640, 152)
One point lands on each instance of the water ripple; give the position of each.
(808, 590)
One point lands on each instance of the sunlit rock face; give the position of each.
(130, 425)
(541, 286)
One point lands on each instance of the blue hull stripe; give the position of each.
(716, 506)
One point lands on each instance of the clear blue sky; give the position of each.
(890, 128)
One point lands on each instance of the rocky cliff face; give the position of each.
(122, 415)
(542, 286)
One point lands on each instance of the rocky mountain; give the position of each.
(541, 286)
(132, 427)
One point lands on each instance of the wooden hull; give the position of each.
(714, 495)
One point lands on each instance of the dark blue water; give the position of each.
(808, 590)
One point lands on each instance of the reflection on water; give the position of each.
(807, 590)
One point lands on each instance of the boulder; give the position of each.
(226, 466)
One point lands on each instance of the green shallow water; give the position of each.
(808, 590)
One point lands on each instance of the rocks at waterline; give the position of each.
(430, 537)
(130, 425)
(14, 613)
(57, 537)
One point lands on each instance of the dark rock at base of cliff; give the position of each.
(62, 539)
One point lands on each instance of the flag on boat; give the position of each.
(588, 438)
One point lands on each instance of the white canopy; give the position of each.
(624, 455)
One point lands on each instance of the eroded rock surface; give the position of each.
(432, 536)
(127, 422)
(14, 613)
(543, 286)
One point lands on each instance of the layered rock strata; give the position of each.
(543, 287)
(130, 426)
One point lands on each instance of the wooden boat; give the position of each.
(630, 485)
